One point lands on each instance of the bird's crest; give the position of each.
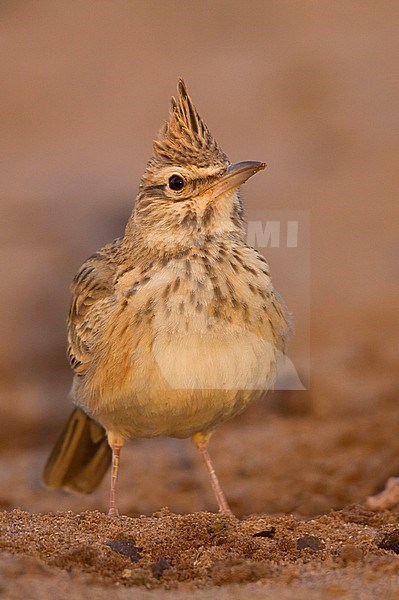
(186, 139)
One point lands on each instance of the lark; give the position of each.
(175, 327)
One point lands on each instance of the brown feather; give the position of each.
(186, 139)
(80, 457)
(92, 284)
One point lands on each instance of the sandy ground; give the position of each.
(308, 87)
(351, 553)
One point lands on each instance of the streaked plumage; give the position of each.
(175, 327)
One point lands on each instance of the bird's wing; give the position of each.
(92, 286)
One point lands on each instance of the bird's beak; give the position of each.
(235, 175)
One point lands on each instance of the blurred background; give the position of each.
(310, 87)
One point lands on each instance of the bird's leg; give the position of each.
(116, 444)
(113, 511)
(201, 441)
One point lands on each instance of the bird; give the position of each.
(175, 327)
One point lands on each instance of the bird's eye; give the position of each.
(176, 183)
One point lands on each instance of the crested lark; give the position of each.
(175, 327)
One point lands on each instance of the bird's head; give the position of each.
(189, 190)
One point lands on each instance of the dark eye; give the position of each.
(176, 183)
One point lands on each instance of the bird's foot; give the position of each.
(226, 511)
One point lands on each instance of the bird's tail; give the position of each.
(80, 457)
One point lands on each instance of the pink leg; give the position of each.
(113, 511)
(200, 440)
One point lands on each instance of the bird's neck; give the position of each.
(161, 229)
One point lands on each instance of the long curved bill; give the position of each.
(235, 175)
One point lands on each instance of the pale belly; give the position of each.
(184, 383)
(176, 369)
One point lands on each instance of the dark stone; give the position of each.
(310, 541)
(390, 541)
(126, 548)
(267, 533)
(159, 567)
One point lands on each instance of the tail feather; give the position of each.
(80, 457)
